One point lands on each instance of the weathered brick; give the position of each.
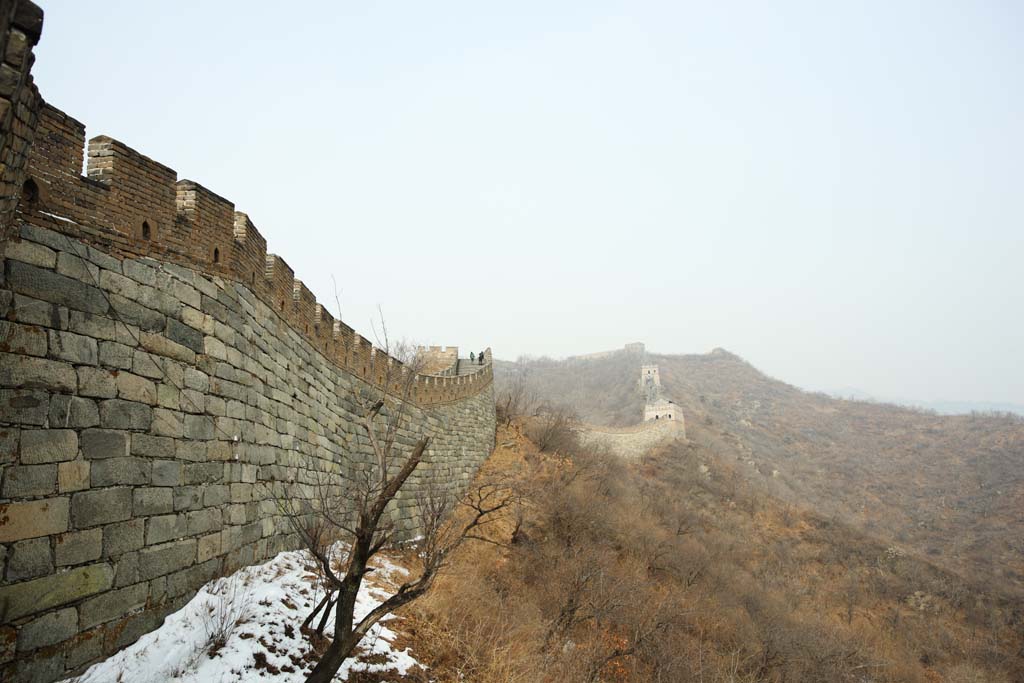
(22, 481)
(23, 339)
(123, 537)
(10, 438)
(147, 365)
(140, 272)
(101, 506)
(162, 346)
(104, 443)
(203, 472)
(29, 559)
(165, 528)
(152, 501)
(48, 445)
(126, 569)
(74, 348)
(215, 348)
(48, 629)
(166, 558)
(73, 476)
(132, 313)
(50, 286)
(119, 284)
(28, 372)
(168, 396)
(109, 606)
(216, 494)
(121, 472)
(119, 414)
(78, 547)
(167, 473)
(79, 269)
(39, 595)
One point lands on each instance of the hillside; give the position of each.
(950, 488)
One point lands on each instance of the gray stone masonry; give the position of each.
(148, 414)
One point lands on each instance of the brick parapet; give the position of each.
(129, 205)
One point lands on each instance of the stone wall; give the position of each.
(144, 409)
(631, 442)
(161, 375)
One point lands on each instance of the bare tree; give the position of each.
(353, 509)
(517, 398)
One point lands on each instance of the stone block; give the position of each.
(207, 547)
(140, 272)
(23, 481)
(28, 372)
(44, 666)
(99, 327)
(168, 423)
(10, 438)
(29, 559)
(24, 406)
(152, 446)
(73, 348)
(152, 501)
(199, 427)
(167, 473)
(35, 312)
(84, 648)
(79, 269)
(147, 365)
(203, 472)
(116, 283)
(162, 346)
(216, 494)
(100, 506)
(236, 514)
(39, 595)
(168, 396)
(96, 382)
(48, 445)
(188, 498)
(120, 414)
(78, 547)
(98, 444)
(166, 558)
(134, 388)
(241, 493)
(166, 528)
(123, 537)
(60, 289)
(48, 629)
(185, 335)
(204, 521)
(112, 605)
(197, 380)
(115, 355)
(121, 472)
(215, 348)
(32, 519)
(73, 412)
(132, 313)
(22, 339)
(73, 476)
(30, 253)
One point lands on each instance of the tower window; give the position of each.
(216, 255)
(29, 194)
(147, 234)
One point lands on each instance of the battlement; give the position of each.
(130, 205)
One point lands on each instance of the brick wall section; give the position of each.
(124, 383)
(129, 205)
(20, 25)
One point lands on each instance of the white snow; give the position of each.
(269, 603)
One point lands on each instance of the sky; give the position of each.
(833, 191)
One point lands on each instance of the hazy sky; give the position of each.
(834, 193)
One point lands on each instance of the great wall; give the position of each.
(160, 372)
(662, 421)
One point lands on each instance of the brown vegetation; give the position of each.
(654, 571)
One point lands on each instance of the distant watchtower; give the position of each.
(649, 376)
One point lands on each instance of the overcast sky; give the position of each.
(834, 193)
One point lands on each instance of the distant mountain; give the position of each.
(948, 486)
(940, 407)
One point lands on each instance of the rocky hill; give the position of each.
(950, 488)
